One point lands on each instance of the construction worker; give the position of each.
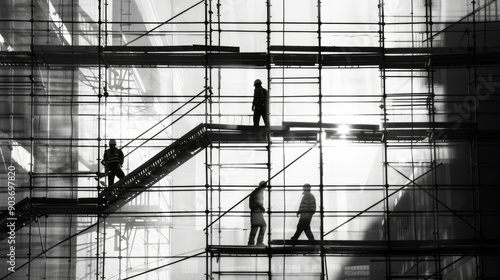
(306, 211)
(257, 221)
(113, 161)
(260, 104)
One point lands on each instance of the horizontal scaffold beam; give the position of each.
(225, 56)
(366, 247)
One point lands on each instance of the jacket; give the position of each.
(113, 157)
(256, 201)
(307, 204)
(260, 97)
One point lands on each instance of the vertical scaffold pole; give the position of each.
(99, 80)
(432, 141)
(103, 43)
(208, 158)
(474, 149)
(32, 123)
(268, 127)
(430, 105)
(384, 141)
(321, 171)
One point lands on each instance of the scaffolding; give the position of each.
(404, 174)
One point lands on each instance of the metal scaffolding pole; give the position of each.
(385, 190)
(32, 124)
(208, 152)
(100, 220)
(324, 274)
(474, 145)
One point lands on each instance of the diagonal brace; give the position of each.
(243, 199)
(165, 22)
(168, 264)
(438, 201)
(383, 199)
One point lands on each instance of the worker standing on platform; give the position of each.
(260, 103)
(306, 211)
(113, 161)
(257, 209)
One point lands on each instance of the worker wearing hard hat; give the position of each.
(257, 222)
(306, 211)
(113, 161)
(260, 103)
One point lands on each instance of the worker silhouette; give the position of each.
(306, 211)
(257, 221)
(260, 103)
(113, 161)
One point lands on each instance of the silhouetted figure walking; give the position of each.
(260, 104)
(113, 161)
(306, 211)
(256, 202)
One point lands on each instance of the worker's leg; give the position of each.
(111, 177)
(256, 117)
(119, 173)
(253, 232)
(307, 226)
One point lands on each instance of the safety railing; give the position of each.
(154, 169)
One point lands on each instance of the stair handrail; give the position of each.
(161, 121)
(139, 172)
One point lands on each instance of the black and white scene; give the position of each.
(249, 139)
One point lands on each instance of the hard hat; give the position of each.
(262, 183)
(306, 187)
(257, 82)
(112, 142)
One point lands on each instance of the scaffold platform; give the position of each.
(247, 250)
(364, 247)
(228, 56)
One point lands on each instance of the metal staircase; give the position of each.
(139, 180)
(114, 197)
